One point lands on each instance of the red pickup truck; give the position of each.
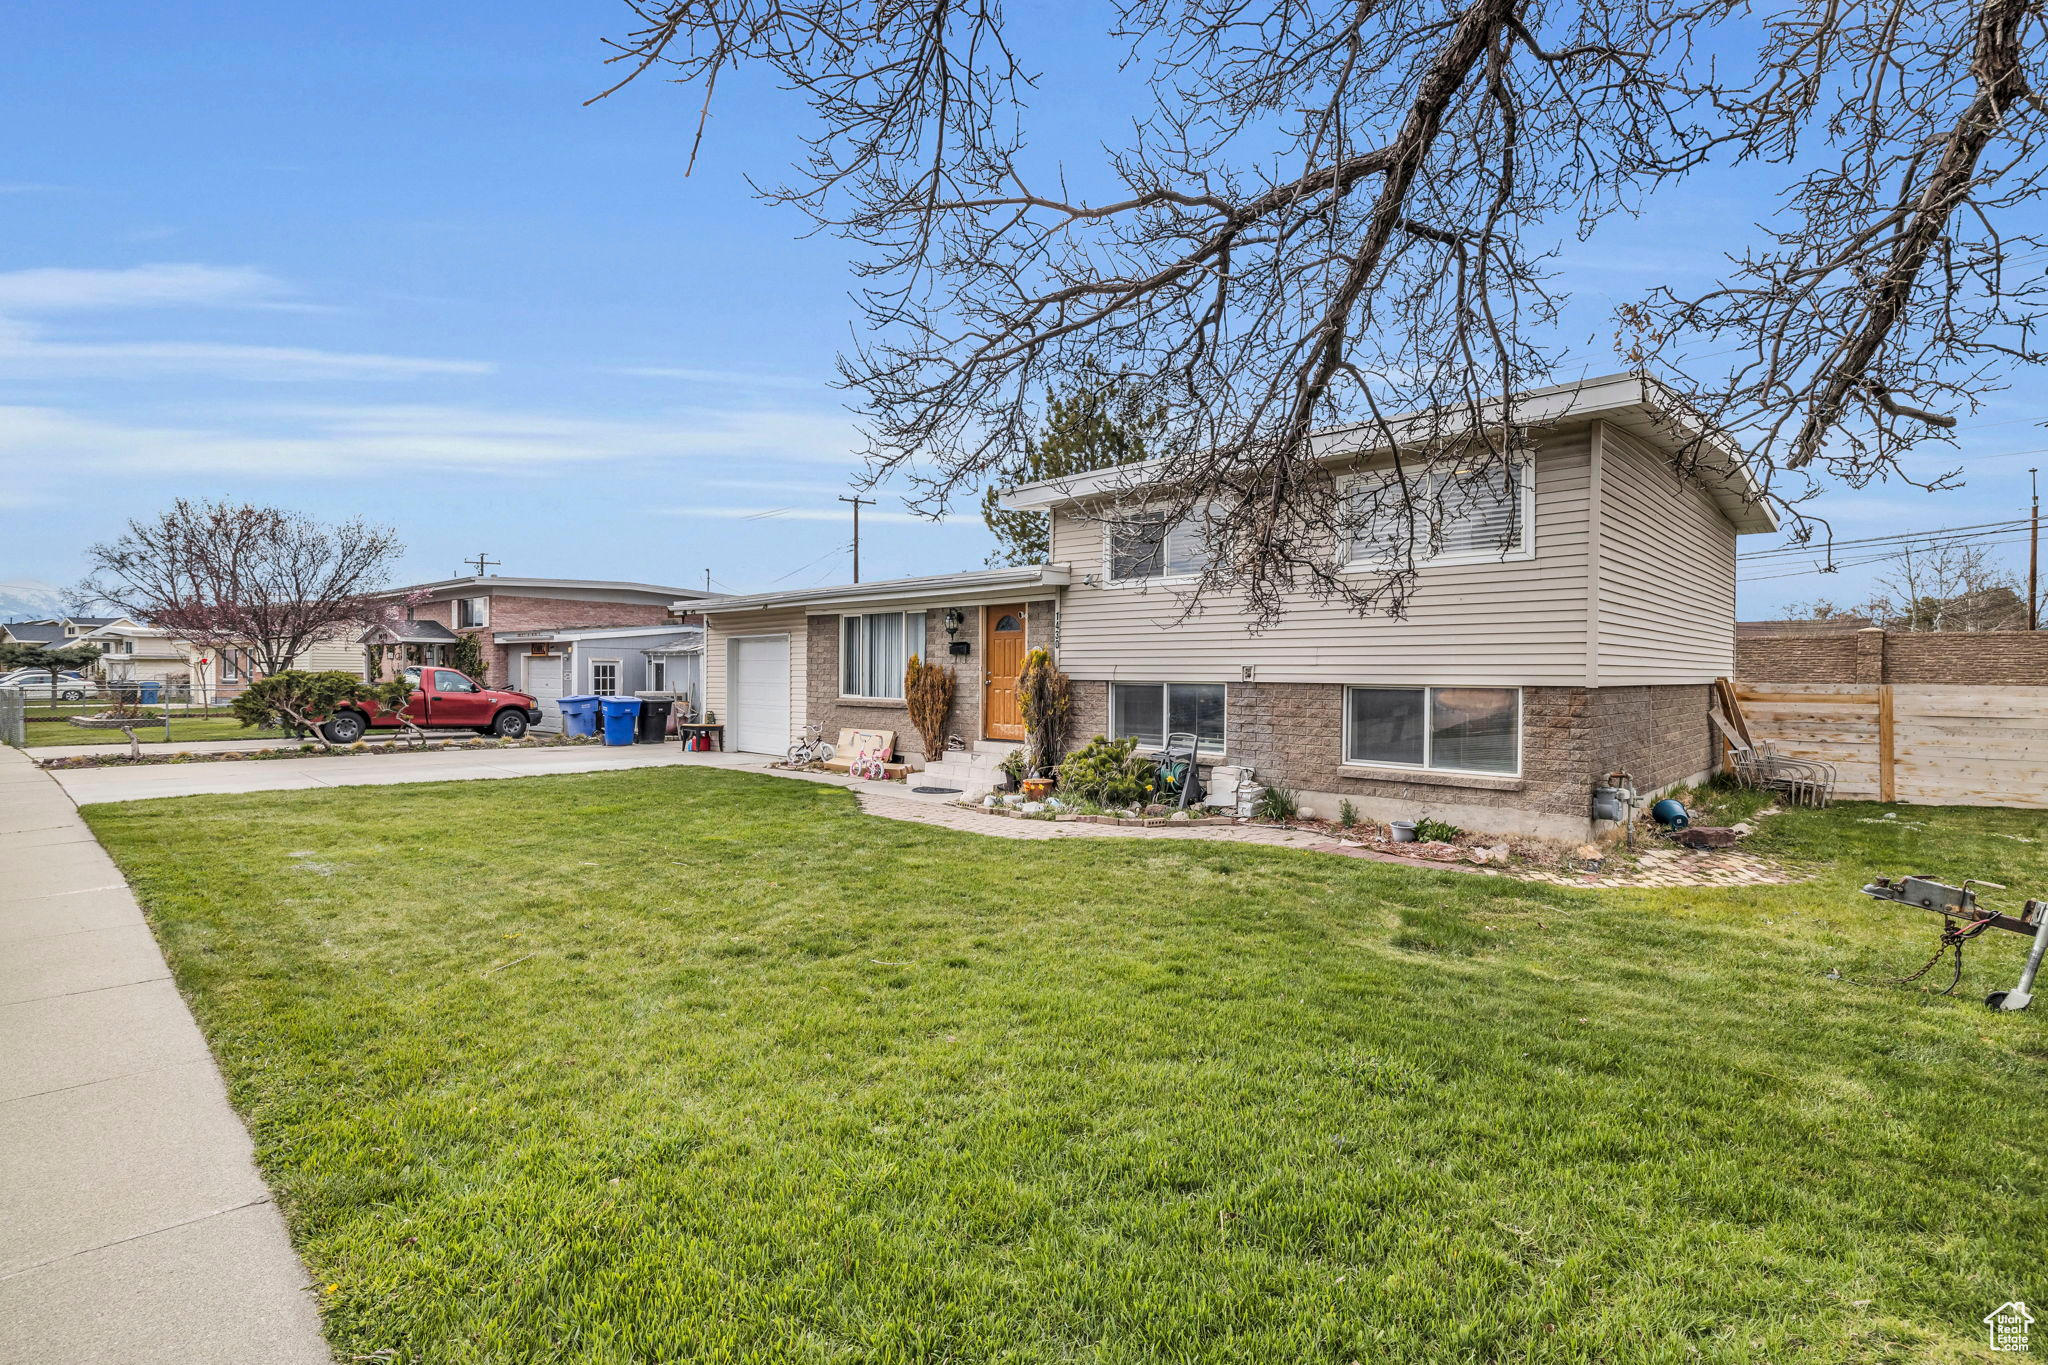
(442, 699)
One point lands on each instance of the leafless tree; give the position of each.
(1335, 213)
(229, 576)
(1945, 586)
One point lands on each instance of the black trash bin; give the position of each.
(654, 719)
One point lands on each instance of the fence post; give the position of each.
(14, 717)
(1887, 783)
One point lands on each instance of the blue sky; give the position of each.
(378, 259)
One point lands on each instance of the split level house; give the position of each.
(549, 637)
(1571, 625)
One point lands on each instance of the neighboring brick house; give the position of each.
(1572, 627)
(491, 606)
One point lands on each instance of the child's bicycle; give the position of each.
(812, 748)
(871, 764)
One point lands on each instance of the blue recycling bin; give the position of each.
(579, 714)
(621, 718)
(152, 688)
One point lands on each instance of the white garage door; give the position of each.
(757, 694)
(544, 681)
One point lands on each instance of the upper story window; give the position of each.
(875, 650)
(1463, 515)
(472, 613)
(1148, 546)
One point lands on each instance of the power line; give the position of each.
(1781, 551)
(1878, 559)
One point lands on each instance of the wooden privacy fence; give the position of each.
(1920, 743)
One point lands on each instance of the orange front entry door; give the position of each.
(1002, 656)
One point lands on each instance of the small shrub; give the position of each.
(1277, 803)
(1107, 772)
(1429, 830)
(1013, 767)
(1347, 814)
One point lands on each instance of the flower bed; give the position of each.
(311, 750)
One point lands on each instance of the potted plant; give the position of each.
(1036, 788)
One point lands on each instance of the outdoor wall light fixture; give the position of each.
(954, 620)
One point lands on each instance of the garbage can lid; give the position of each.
(620, 704)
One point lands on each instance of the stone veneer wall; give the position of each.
(963, 718)
(1985, 658)
(1293, 734)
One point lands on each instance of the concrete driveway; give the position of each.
(87, 786)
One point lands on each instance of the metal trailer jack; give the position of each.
(1957, 905)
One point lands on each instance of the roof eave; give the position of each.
(936, 588)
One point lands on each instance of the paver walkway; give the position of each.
(133, 1224)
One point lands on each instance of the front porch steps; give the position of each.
(975, 771)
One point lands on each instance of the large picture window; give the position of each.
(1454, 729)
(1149, 712)
(874, 651)
(1462, 515)
(1148, 546)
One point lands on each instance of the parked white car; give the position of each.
(69, 686)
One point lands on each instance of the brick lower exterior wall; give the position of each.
(1292, 735)
(963, 718)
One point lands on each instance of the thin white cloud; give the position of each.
(804, 514)
(729, 378)
(28, 351)
(52, 289)
(26, 354)
(310, 442)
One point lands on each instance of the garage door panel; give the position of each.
(758, 694)
(544, 683)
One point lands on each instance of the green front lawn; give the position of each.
(686, 1064)
(54, 734)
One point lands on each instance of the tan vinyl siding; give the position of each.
(1523, 622)
(719, 629)
(1667, 572)
(338, 653)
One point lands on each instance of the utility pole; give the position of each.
(2034, 557)
(857, 502)
(707, 580)
(482, 563)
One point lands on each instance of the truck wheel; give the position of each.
(344, 727)
(509, 725)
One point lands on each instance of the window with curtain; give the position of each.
(874, 651)
(1148, 546)
(1149, 712)
(1456, 729)
(1470, 513)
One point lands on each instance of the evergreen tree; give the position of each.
(1091, 426)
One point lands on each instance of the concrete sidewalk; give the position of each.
(133, 1224)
